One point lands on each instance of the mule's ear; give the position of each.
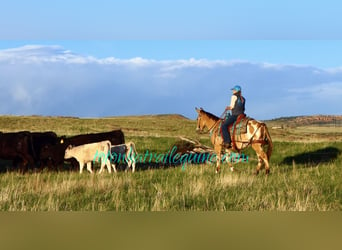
(197, 110)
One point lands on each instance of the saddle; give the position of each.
(238, 127)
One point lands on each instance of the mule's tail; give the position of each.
(269, 142)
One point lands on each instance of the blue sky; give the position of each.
(176, 19)
(168, 55)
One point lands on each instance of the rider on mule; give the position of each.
(237, 106)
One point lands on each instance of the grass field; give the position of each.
(305, 172)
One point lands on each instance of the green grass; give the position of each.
(305, 176)
(196, 188)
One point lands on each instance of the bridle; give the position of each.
(214, 125)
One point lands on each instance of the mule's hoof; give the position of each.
(256, 173)
(267, 171)
(217, 171)
(232, 169)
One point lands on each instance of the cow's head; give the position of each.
(68, 152)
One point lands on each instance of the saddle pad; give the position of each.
(240, 126)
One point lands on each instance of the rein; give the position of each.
(212, 127)
(220, 119)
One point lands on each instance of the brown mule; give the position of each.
(257, 136)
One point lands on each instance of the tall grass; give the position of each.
(305, 176)
(197, 188)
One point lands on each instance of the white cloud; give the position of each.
(337, 70)
(322, 91)
(50, 80)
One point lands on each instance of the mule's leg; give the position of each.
(229, 157)
(267, 165)
(260, 164)
(262, 158)
(218, 149)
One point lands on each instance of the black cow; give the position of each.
(55, 153)
(25, 148)
(41, 140)
(17, 147)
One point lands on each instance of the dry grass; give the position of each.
(292, 186)
(146, 126)
(197, 188)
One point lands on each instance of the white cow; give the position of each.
(124, 152)
(87, 153)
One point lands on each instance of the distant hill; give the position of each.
(329, 120)
(170, 116)
(173, 116)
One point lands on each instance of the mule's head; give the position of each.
(200, 121)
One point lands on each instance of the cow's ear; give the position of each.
(62, 141)
(69, 147)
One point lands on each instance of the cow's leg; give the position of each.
(31, 161)
(114, 167)
(129, 164)
(26, 161)
(108, 167)
(81, 167)
(74, 163)
(103, 164)
(89, 167)
(133, 166)
(101, 168)
(21, 164)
